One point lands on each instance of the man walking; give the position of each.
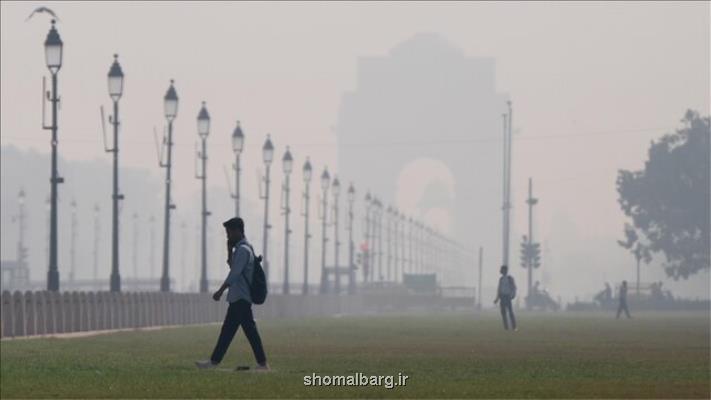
(506, 292)
(623, 301)
(241, 260)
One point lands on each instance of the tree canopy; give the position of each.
(668, 201)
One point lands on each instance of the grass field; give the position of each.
(553, 355)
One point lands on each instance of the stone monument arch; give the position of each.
(423, 130)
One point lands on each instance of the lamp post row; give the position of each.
(374, 209)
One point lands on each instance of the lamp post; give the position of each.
(411, 240)
(73, 244)
(53, 47)
(379, 232)
(325, 182)
(287, 164)
(97, 232)
(237, 146)
(115, 92)
(170, 108)
(306, 171)
(267, 157)
(21, 250)
(389, 240)
(351, 266)
(366, 239)
(336, 190)
(203, 125)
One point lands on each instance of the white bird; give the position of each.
(43, 10)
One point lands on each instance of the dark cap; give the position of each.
(234, 224)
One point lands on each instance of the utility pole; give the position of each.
(531, 202)
(507, 182)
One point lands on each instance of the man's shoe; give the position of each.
(207, 364)
(262, 367)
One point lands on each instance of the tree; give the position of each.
(668, 201)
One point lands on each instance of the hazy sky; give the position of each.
(591, 83)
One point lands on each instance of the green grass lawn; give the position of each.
(553, 355)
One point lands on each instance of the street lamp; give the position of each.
(237, 147)
(389, 240)
(203, 127)
(325, 182)
(336, 190)
(366, 239)
(306, 171)
(115, 92)
(170, 108)
(287, 164)
(351, 266)
(53, 50)
(21, 250)
(267, 157)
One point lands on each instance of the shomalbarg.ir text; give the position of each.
(356, 379)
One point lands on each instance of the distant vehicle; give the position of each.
(541, 300)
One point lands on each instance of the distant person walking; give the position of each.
(506, 292)
(241, 260)
(623, 301)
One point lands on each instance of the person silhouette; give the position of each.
(623, 301)
(241, 259)
(506, 292)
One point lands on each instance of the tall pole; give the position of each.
(203, 125)
(21, 250)
(336, 241)
(115, 277)
(388, 242)
(53, 274)
(481, 263)
(73, 246)
(531, 202)
(152, 257)
(366, 239)
(351, 264)
(237, 172)
(183, 250)
(165, 277)
(135, 246)
(307, 236)
(381, 276)
(204, 214)
(97, 232)
(324, 239)
(287, 210)
(265, 239)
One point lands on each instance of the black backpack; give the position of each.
(258, 287)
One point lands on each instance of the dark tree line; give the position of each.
(668, 201)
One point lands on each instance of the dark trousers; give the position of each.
(506, 308)
(623, 306)
(239, 313)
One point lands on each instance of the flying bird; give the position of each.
(43, 10)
